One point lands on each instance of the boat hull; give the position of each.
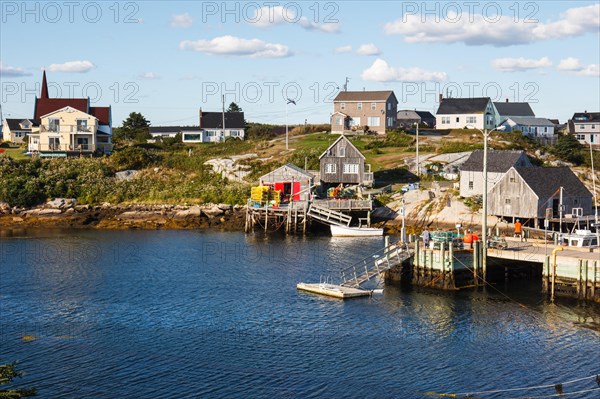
(342, 231)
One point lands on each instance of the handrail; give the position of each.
(371, 264)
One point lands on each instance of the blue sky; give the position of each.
(168, 59)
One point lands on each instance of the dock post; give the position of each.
(476, 253)
(579, 287)
(368, 218)
(554, 272)
(247, 224)
(266, 216)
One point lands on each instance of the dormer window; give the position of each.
(25, 125)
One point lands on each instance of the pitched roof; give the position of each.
(425, 115)
(514, 109)
(546, 181)
(407, 114)
(15, 124)
(342, 137)
(586, 117)
(450, 106)
(350, 96)
(531, 121)
(214, 120)
(164, 129)
(45, 106)
(102, 113)
(498, 161)
(287, 166)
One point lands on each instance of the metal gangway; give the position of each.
(329, 216)
(375, 264)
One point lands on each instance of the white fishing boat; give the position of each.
(580, 239)
(343, 231)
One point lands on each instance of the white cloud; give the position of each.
(149, 76)
(368, 49)
(12, 72)
(520, 64)
(265, 17)
(573, 65)
(231, 45)
(181, 21)
(473, 29)
(381, 71)
(72, 67)
(344, 49)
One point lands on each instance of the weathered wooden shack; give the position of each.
(343, 163)
(293, 182)
(471, 172)
(526, 193)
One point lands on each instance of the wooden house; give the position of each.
(526, 193)
(342, 163)
(293, 182)
(499, 162)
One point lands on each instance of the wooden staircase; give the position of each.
(328, 216)
(374, 265)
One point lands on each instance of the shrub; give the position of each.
(133, 158)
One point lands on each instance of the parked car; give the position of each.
(408, 187)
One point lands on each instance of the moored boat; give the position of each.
(343, 231)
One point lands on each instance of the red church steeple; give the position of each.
(44, 93)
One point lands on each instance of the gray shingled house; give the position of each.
(343, 163)
(499, 162)
(516, 109)
(526, 193)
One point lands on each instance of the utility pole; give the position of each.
(223, 104)
(418, 169)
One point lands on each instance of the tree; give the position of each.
(8, 372)
(567, 148)
(134, 126)
(233, 107)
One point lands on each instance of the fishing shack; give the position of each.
(293, 183)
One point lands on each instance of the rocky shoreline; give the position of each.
(66, 213)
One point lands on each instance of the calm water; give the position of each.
(216, 315)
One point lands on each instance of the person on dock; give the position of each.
(519, 229)
(426, 236)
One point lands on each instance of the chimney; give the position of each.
(200, 118)
(507, 100)
(441, 97)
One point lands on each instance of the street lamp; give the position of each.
(289, 101)
(486, 134)
(417, 160)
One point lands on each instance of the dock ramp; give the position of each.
(374, 265)
(328, 216)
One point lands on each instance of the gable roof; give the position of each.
(425, 115)
(514, 109)
(45, 106)
(531, 121)
(407, 114)
(342, 137)
(164, 129)
(583, 117)
(102, 113)
(214, 120)
(355, 96)
(498, 161)
(546, 181)
(67, 109)
(295, 170)
(451, 106)
(15, 124)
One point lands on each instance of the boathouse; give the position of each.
(293, 182)
(527, 193)
(342, 163)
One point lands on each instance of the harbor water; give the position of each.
(199, 314)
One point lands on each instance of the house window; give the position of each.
(82, 125)
(580, 137)
(593, 126)
(373, 106)
(457, 119)
(337, 120)
(191, 137)
(26, 125)
(592, 138)
(234, 133)
(582, 126)
(18, 135)
(470, 185)
(445, 120)
(342, 105)
(54, 125)
(342, 152)
(374, 121)
(82, 143)
(330, 168)
(359, 106)
(511, 179)
(471, 120)
(355, 121)
(54, 143)
(351, 168)
(545, 130)
(389, 105)
(507, 201)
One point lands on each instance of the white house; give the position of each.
(533, 127)
(458, 113)
(210, 129)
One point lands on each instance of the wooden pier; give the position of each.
(295, 217)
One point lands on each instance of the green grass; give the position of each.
(15, 153)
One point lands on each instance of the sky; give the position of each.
(168, 59)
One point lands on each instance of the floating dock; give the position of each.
(336, 291)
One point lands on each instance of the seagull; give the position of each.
(289, 101)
